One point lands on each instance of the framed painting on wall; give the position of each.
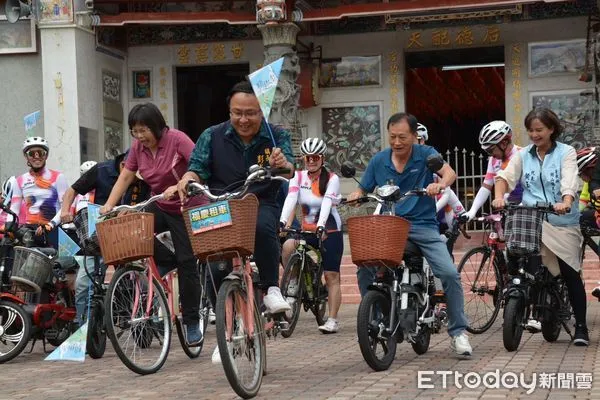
(55, 12)
(18, 37)
(555, 58)
(350, 71)
(141, 80)
(352, 133)
(111, 86)
(575, 108)
(113, 139)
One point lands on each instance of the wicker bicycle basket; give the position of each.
(237, 237)
(89, 243)
(126, 238)
(377, 239)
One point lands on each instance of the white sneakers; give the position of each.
(275, 302)
(460, 345)
(533, 326)
(330, 326)
(212, 318)
(216, 356)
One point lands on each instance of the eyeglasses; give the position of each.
(36, 153)
(139, 132)
(249, 114)
(313, 158)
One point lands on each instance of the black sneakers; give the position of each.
(581, 337)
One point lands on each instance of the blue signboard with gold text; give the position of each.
(209, 217)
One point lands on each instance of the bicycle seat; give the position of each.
(66, 264)
(47, 251)
(412, 250)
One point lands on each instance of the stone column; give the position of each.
(279, 40)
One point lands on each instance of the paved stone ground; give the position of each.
(310, 365)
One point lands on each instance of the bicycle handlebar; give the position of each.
(137, 207)
(380, 199)
(257, 174)
(546, 208)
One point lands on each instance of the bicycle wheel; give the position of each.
(377, 350)
(96, 335)
(292, 287)
(482, 287)
(242, 354)
(15, 330)
(194, 352)
(512, 329)
(130, 328)
(319, 308)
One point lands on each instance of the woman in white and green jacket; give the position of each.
(547, 170)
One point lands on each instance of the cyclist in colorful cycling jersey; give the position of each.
(318, 192)
(5, 199)
(40, 190)
(447, 203)
(495, 139)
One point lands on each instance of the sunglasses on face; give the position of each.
(490, 150)
(36, 153)
(313, 158)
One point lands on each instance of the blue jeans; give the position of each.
(436, 254)
(83, 285)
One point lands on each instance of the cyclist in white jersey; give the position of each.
(318, 192)
(495, 139)
(40, 191)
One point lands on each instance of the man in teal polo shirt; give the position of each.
(221, 159)
(405, 164)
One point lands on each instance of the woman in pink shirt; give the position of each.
(161, 155)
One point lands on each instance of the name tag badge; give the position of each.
(209, 217)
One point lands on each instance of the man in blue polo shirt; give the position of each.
(405, 164)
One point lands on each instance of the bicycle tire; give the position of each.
(512, 328)
(293, 269)
(479, 324)
(194, 352)
(256, 348)
(367, 329)
(96, 334)
(12, 313)
(162, 319)
(319, 308)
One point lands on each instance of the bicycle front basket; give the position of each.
(524, 231)
(238, 236)
(126, 238)
(377, 239)
(89, 243)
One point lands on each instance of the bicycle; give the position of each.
(225, 230)
(139, 303)
(484, 276)
(39, 273)
(302, 281)
(532, 291)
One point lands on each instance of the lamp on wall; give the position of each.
(467, 66)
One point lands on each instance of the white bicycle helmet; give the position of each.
(313, 146)
(35, 141)
(422, 132)
(493, 133)
(86, 166)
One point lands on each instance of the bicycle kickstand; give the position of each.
(32, 345)
(564, 324)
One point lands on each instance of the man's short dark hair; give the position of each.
(410, 119)
(240, 87)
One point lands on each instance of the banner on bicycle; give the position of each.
(93, 214)
(66, 246)
(72, 349)
(209, 217)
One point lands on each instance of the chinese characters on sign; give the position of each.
(515, 73)
(204, 53)
(394, 90)
(209, 217)
(465, 36)
(162, 89)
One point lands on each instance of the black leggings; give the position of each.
(576, 291)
